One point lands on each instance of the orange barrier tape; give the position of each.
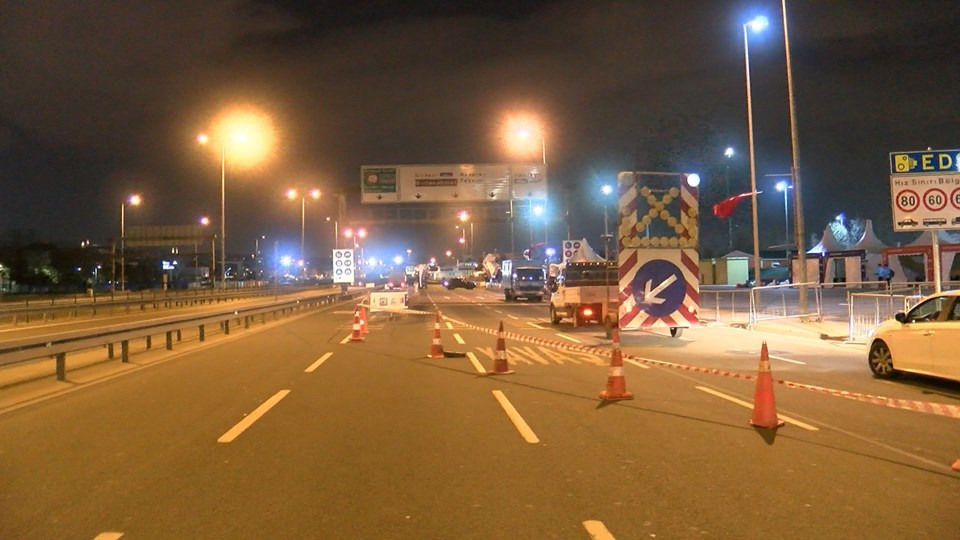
(940, 409)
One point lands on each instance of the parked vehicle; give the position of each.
(585, 292)
(458, 283)
(522, 279)
(925, 340)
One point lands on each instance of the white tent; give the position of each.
(584, 253)
(869, 241)
(827, 243)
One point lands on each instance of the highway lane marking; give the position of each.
(518, 422)
(346, 339)
(750, 406)
(319, 361)
(564, 336)
(597, 530)
(449, 325)
(476, 363)
(109, 536)
(782, 359)
(514, 317)
(535, 325)
(459, 339)
(242, 425)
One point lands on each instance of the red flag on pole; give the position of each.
(725, 208)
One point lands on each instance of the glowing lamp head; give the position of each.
(693, 179)
(135, 200)
(758, 23)
(606, 189)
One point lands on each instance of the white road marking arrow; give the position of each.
(650, 296)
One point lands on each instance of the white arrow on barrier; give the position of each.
(650, 296)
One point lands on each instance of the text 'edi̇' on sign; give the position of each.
(925, 190)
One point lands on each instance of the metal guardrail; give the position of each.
(47, 308)
(25, 350)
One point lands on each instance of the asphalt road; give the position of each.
(292, 431)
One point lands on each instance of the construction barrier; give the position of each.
(500, 364)
(939, 409)
(436, 348)
(616, 384)
(764, 404)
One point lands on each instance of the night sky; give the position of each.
(101, 98)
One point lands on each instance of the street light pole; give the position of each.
(134, 200)
(795, 147)
(223, 215)
(756, 24)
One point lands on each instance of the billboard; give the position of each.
(452, 183)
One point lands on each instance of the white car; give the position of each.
(924, 340)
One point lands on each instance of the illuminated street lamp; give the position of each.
(728, 153)
(538, 210)
(254, 132)
(785, 187)
(465, 217)
(756, 24)
(521, 133)
(132, 200)
(606, 190)
(292, 194)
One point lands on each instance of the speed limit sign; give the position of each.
(925, 190)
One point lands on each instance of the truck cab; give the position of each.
(522, 279)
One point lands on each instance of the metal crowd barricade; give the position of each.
(726, 305)
(866, 310)
(774, 302)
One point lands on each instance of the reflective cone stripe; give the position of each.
(356, 335)
(764, 404)
(500, 364)
(363, 320)
(616, 384)
(436, 349)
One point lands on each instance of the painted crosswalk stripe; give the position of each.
(518, 421)
(459, 339)
(476, 363)
(530, 353)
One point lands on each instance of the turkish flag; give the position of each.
(725, 208)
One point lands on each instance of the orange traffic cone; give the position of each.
(764, 406)
(956, 465)
(500, 365)
(616, 384)
(356, 335)
(436, 350)
(364, 329)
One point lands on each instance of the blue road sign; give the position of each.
(659, 287)
(928, 161)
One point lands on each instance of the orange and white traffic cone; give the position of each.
(616, 384)
(364, 329)
(500, 365)
(764, 405)
(357, 334)
(436, 349)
